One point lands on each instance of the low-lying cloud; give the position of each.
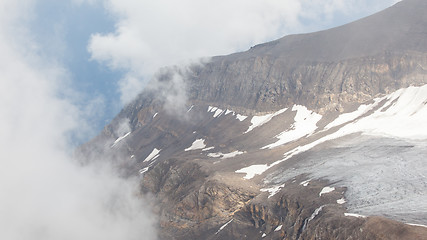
(45, 193)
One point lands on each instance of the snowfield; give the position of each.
(382, 160)
(383, 176)
(272, 190)
(305, 124)
(151, 159)
(153, 155)
(223, 226)
(403, 110)
(218, 112)
(198, 144)
(326, 190)
(354, 215)
(225, 155)
(253, 170)
(348, 117)
(341, 201)
(120, 139)
(257, 121)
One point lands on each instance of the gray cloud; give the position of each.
(170, 90)
(45, 194)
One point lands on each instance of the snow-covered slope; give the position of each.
(384, 169)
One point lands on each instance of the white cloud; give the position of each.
(44, 193)
(154, 34)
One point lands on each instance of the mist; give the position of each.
(45, 193)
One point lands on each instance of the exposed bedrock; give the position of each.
(265, 83)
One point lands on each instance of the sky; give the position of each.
(67, 67)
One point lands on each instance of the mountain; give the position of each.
(365, 57)
(311, 136)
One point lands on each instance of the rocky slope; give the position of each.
(293, 139)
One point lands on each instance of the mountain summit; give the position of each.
(311, 136)
(398, 29)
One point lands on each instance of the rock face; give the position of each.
(191, 202)
(253, 154)
(267, 82)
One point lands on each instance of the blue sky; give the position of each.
(63, 30)
(89, 38)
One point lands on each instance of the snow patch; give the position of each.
(348, 117)
(305, 183)
(207, 149)
(417, 225)
(354, 215)
(225, 155)
(155, 115)
(218, 113)
(257, 121)
(153, 155)
(253, 170)
(341, 201)
(406, 108)
(264, 235)
(326, 190)
(278, 228)
(228, 112)
(120, 139)
(305, 124)
(273, 190)
(403, 110)
(315, 213)
(232, 154)
(215, 155)
(300, 149)
(191, 108)
(241, 117)
(223, 226)
(198, 144)
(142, 171)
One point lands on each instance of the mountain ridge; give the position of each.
(357, 39)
